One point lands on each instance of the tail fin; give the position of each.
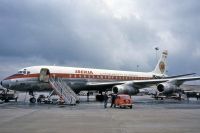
(162, 63)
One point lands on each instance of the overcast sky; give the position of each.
(108, 34)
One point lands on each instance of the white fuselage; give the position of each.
(77, 78)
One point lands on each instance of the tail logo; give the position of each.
(162, 67)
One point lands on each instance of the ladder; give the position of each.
(64, 91)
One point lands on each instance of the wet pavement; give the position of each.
(147, 116)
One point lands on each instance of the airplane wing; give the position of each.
(135, 83)
(174, 76)
(176, 81)
(179, 81)
(105, 84)
(177, 76)
(143, 83)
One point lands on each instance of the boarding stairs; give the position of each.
(63, 91)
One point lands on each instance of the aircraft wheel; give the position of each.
(38, 100)
(156, 98)
(16, 99)
(6, 100)
(99, 98)
(32, 100)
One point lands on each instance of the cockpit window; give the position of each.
(20, 72)
(24, 72)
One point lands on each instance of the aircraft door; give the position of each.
(44, 75)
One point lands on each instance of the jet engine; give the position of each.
(167, 88)
(125, 89)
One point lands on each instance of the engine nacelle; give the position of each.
(167, 88)
(125, 89)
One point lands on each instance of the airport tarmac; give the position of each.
(147, 116)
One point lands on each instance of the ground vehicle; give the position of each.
(43, 99)
(7, 95)
(49, 100)
(123, 100)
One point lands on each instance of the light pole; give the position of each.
(138, 67)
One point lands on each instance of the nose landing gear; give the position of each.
(32, 99)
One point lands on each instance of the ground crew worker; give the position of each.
(88, 94)
(113, 97)
(197, 95)
(105, 100)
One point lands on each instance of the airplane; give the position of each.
(36, 78)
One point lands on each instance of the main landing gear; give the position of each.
(32, 99)
(100, 97)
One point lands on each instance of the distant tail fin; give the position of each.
(162, 63)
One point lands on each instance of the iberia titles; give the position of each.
(84, 72)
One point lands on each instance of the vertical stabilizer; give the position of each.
(162, 63)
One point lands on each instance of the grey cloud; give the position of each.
(93, 34)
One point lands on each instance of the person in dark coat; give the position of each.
(105, 100)
(113, 97)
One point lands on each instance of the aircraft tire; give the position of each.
(100, 98)
(38, 100)
(6, 100)
(32, 100)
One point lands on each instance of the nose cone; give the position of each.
(4, 83)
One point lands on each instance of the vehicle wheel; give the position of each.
(156, 98)
(32, 100)
(38, 100)
(6, 100)
(131, 107)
